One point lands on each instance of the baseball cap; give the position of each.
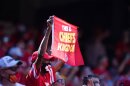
(8, 61)
(45, 56)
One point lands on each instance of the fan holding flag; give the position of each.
(43, 73)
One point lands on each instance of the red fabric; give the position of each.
(2, 53)
(65, 43)
(21, 77)
(26, 57)
(124, 80)
(40, 80)
(99, 72)
(35, 55)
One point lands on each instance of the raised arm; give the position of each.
(43, 46)
(124, 63)
(58, 65)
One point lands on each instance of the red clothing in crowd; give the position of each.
(2, 53)
(25, 58)
(35, 78)
(21, 78)
(123, 81)
(99, 72)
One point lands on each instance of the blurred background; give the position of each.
(104, 34)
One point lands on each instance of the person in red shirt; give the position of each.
(102, 64)
(101, 70)
(124, 79)
(42, 72)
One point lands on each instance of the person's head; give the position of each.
(87, 71)
(91, 80)
(102, 60)
(8, 68)
(46, 59)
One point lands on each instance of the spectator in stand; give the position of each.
(11, 35)
(117, 68)
(124, 79)
(102, 64)
(22, 73)
(8, 70)
(91, 80)
(96, 47)
(78, 77)
(101, 70)
(113, 69)
(42, 73)
(72, 79)
(122, 46)
(85, 72)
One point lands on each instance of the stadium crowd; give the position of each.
(110, 63)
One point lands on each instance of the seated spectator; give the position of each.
(91, 80)
(95, 47)
(122, 46)
(102, 64)
(22, 72)
(101, 70)
(72, 78)
(86, 71)
(8, 69)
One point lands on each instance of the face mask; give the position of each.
(13, 78)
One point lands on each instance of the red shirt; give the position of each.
(125, 81)
(98, 71)
(21, 77)
(26, 56)
(35, 78)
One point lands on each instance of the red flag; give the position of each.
(64, 42)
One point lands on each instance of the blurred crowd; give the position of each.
(20, 41)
